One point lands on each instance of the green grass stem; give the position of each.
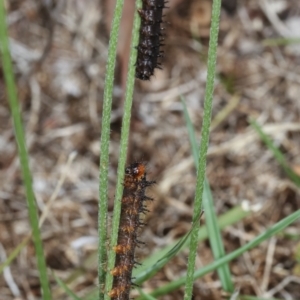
(201, 171)
(210, 215)
(123, 145)
(104, 147)
(22, 150)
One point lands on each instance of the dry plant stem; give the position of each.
(223, 114)
(269, 260)
(104, 146)
(7, 275)
(212, 56)
(281, 285)
(19, 133)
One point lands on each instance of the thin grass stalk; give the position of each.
(214, 235)
(201, 172)
(104, 147)
(123, 144)
(22, 151)
(281, 225)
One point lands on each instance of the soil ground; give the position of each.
(59, 50)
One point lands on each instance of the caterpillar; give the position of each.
(133, 204)
(151, 37)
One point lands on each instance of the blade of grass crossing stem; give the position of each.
(214, 233)
(104, 146)
(65, 288)
(152, 263)
(211, 62)
(146, 296)
(123, 143)
(229, 257)
(159, 263)
(19, 132)
(276, 152)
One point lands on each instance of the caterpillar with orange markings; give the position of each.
(133, 204)
(151, 37)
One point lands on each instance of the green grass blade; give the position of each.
(152, 270)
(281, 42)
(15, 252)
(212, 56)
(146, 296)
(210, 215)
(65, 288)
(191, 132)
(277, 153)
(229, 257)
(255, 298)
(123, 144)
(19, 132)
(91, 296)
(104, 146)
(215, 239)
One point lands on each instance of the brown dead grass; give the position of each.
(61, 99)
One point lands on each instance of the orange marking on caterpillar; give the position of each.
(128, 229)
(121, 249)
(117, 271)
